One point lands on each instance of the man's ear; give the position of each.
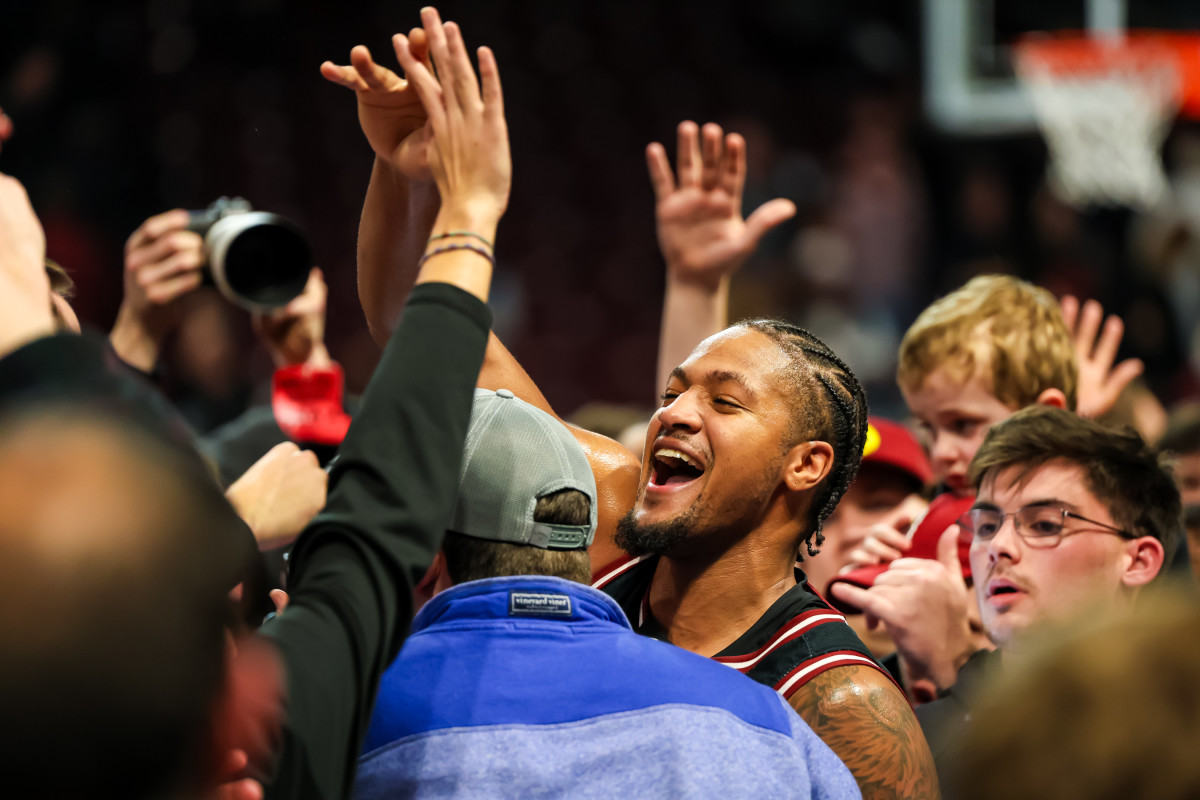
(807, 464)
(436, 579)
(1055, 398)
(1146, 556)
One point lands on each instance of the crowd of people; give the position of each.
(442, 589)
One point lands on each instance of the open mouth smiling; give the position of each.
(673, 468)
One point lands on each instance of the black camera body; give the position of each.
(257, 259)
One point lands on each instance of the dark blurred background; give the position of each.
(125, 109)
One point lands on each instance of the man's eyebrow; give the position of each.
(1048, 501)
(729, 376)
(715, 376)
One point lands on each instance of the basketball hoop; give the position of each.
(1104, 105)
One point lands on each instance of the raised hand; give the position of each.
(469, 156)
(703, 237)
(1100, 383)
(389, 110)
(163, 262)
(295, 333)
(25, 302)
(699, 212)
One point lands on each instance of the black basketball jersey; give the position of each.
(799, 637)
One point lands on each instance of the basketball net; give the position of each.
(1104, 106)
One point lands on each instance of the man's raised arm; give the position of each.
(402, 201)
(702, 234)
(398, 216)
(392, 488)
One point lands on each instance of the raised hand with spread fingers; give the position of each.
(702, 234)
(1100, 383)
(402, 199)
(389, 110)
(468, 156)
(700, 226)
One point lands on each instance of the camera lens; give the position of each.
(257, 259)
(267, 265)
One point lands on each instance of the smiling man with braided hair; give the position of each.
(760, 432)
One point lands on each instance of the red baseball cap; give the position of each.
(944, 511)
(307, 402)
(892, 444)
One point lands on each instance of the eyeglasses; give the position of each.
(1037, 525)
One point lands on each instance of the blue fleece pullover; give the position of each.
(537, 687)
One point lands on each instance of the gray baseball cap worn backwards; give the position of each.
(514, 455)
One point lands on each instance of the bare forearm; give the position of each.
(397, 217)
(692, 312)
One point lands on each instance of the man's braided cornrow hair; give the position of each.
(842, 422)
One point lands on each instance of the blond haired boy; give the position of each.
(972, 359)
(977, 355)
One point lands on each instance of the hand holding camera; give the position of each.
(257, 259)
(163, 262)
(294, 334)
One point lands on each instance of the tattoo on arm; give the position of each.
(865, 720)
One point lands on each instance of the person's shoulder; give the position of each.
(608, 457)
(618, 473)
(844, 685)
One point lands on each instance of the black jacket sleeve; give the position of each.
(391, 494)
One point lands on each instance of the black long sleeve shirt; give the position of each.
(391, 493)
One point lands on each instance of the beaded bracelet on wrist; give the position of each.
(451, 234)
(449, 247)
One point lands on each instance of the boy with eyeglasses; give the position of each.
(1069, 515)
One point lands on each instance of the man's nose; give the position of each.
(1007, 542)
(682, 413)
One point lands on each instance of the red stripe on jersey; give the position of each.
(794, 628)
(809, 669)
(616, 568)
